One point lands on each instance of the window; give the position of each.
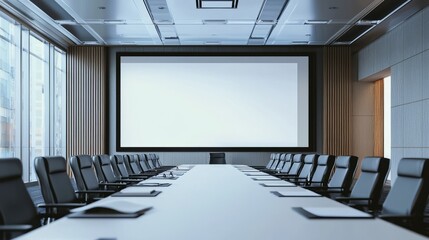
(39, 84)
(387, 119)
(59, 115)
(32, 96)
(9, 94)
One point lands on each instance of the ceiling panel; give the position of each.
(184, 11)
(215, 33)
(131, 11)
(127, 33)
(339, 11)
(313, 34)
(141, 22)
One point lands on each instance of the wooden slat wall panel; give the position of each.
(337, 100)
(379, 118)
(86, 101)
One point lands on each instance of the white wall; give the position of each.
(405, 50)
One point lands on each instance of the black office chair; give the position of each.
(295, 169)
(342, 177)
(288, 160)
(55, 184)
(142, 160)
(86, 179)
(159, 165)
(406, 201)
(104, 170)
(17, 211)
(307, 171)
(282, 162)
(16, 206)
(217, 158)
(133, 167)
(270, 162)
(119, 168)
(322, 171)
(150, 159)
(367, 189)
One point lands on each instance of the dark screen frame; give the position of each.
(311, 108)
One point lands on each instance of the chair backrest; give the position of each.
(409, 193)
(282, 162)
(371, 180)
(323, 170)
(157, 162)
(131, 164)
(309, 166)
(54, 181)
(118, 166)
(16, 206)
(297, 162)
(288, 163)
(103, 168)
(143, 162)
(276, 161)
(217, 158)
(345, 167)
(149, 160)
(83, 171)
(271, 161)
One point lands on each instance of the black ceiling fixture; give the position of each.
(217, 4)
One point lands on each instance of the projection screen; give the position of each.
(212, 102)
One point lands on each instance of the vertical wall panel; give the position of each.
(379, 118)
(410, 77)
(86, 103)
(413, 35)
(337, 101)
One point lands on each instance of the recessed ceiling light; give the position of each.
(314, 22)
(367, 22)
(217, 4)
(300, 42)
(215, 21)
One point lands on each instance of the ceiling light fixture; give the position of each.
(217, 4)
(367, 22)
(214, 21)
(317, 22)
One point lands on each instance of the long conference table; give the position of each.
(220, 202)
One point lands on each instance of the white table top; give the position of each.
(220, 202)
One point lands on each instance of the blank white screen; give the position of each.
(213, 101)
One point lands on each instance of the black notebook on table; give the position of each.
(143, 184)
(152, 193)
(332, 213)
(112, 209)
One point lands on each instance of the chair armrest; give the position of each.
(286, 176)
(15, 228)
(351, 198)
(60, 205)
(95, 191)
(136, 176)
(301, 178)
(147, 174)
(395, 217)
(282, 174)
(112, 184)
(129, 180)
